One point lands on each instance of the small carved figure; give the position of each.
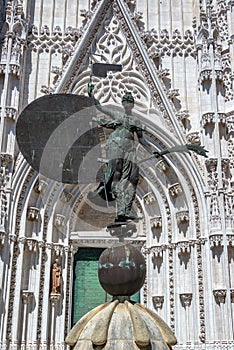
(56, 278)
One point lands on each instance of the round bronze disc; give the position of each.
(56, 137)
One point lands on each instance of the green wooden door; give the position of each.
(87, 291)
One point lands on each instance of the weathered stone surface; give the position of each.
(116, 326)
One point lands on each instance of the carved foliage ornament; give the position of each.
(112, 47)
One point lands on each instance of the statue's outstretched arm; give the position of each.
(144, 143)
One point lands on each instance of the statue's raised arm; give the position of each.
(105, 110)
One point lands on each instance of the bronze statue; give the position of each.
(122, 174)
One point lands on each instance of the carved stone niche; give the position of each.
(175, 189)
(156, 222)
(220, 295)
(186, 299)
(182, 217)
(59, 220)
(149, 198)
(158, 301)
(33, 214)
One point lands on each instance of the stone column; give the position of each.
(186, 299)
(26, 297)
(54, 299)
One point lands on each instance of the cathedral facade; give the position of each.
(177, 59)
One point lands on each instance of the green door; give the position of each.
(87, 291)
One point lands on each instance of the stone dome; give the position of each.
(121, 326)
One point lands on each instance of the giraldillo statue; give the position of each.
(122, 174)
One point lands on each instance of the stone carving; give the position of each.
(186, 299)
(40, 186)
(172, 93)
(56, 278)
(230, 239)
(211, 165)
(183, 115)
(179, 43)
(175, 190)
(220, 295)
(31, 244)
(162, 165)
(194, 137)
(59, 220)
(156, 222)
(182, 216)
(158, 301)
(118, 50)
(33, 213)
(184, 247)
(215, 217)
(3, 210)
(58, 249)
(149, 198)
(47, 89)
(26, 296)
(10, 112)
(216, 240)
(54, 298)
(66, 196)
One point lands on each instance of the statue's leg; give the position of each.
(131, 190)
(124, 186)
(118, 188)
